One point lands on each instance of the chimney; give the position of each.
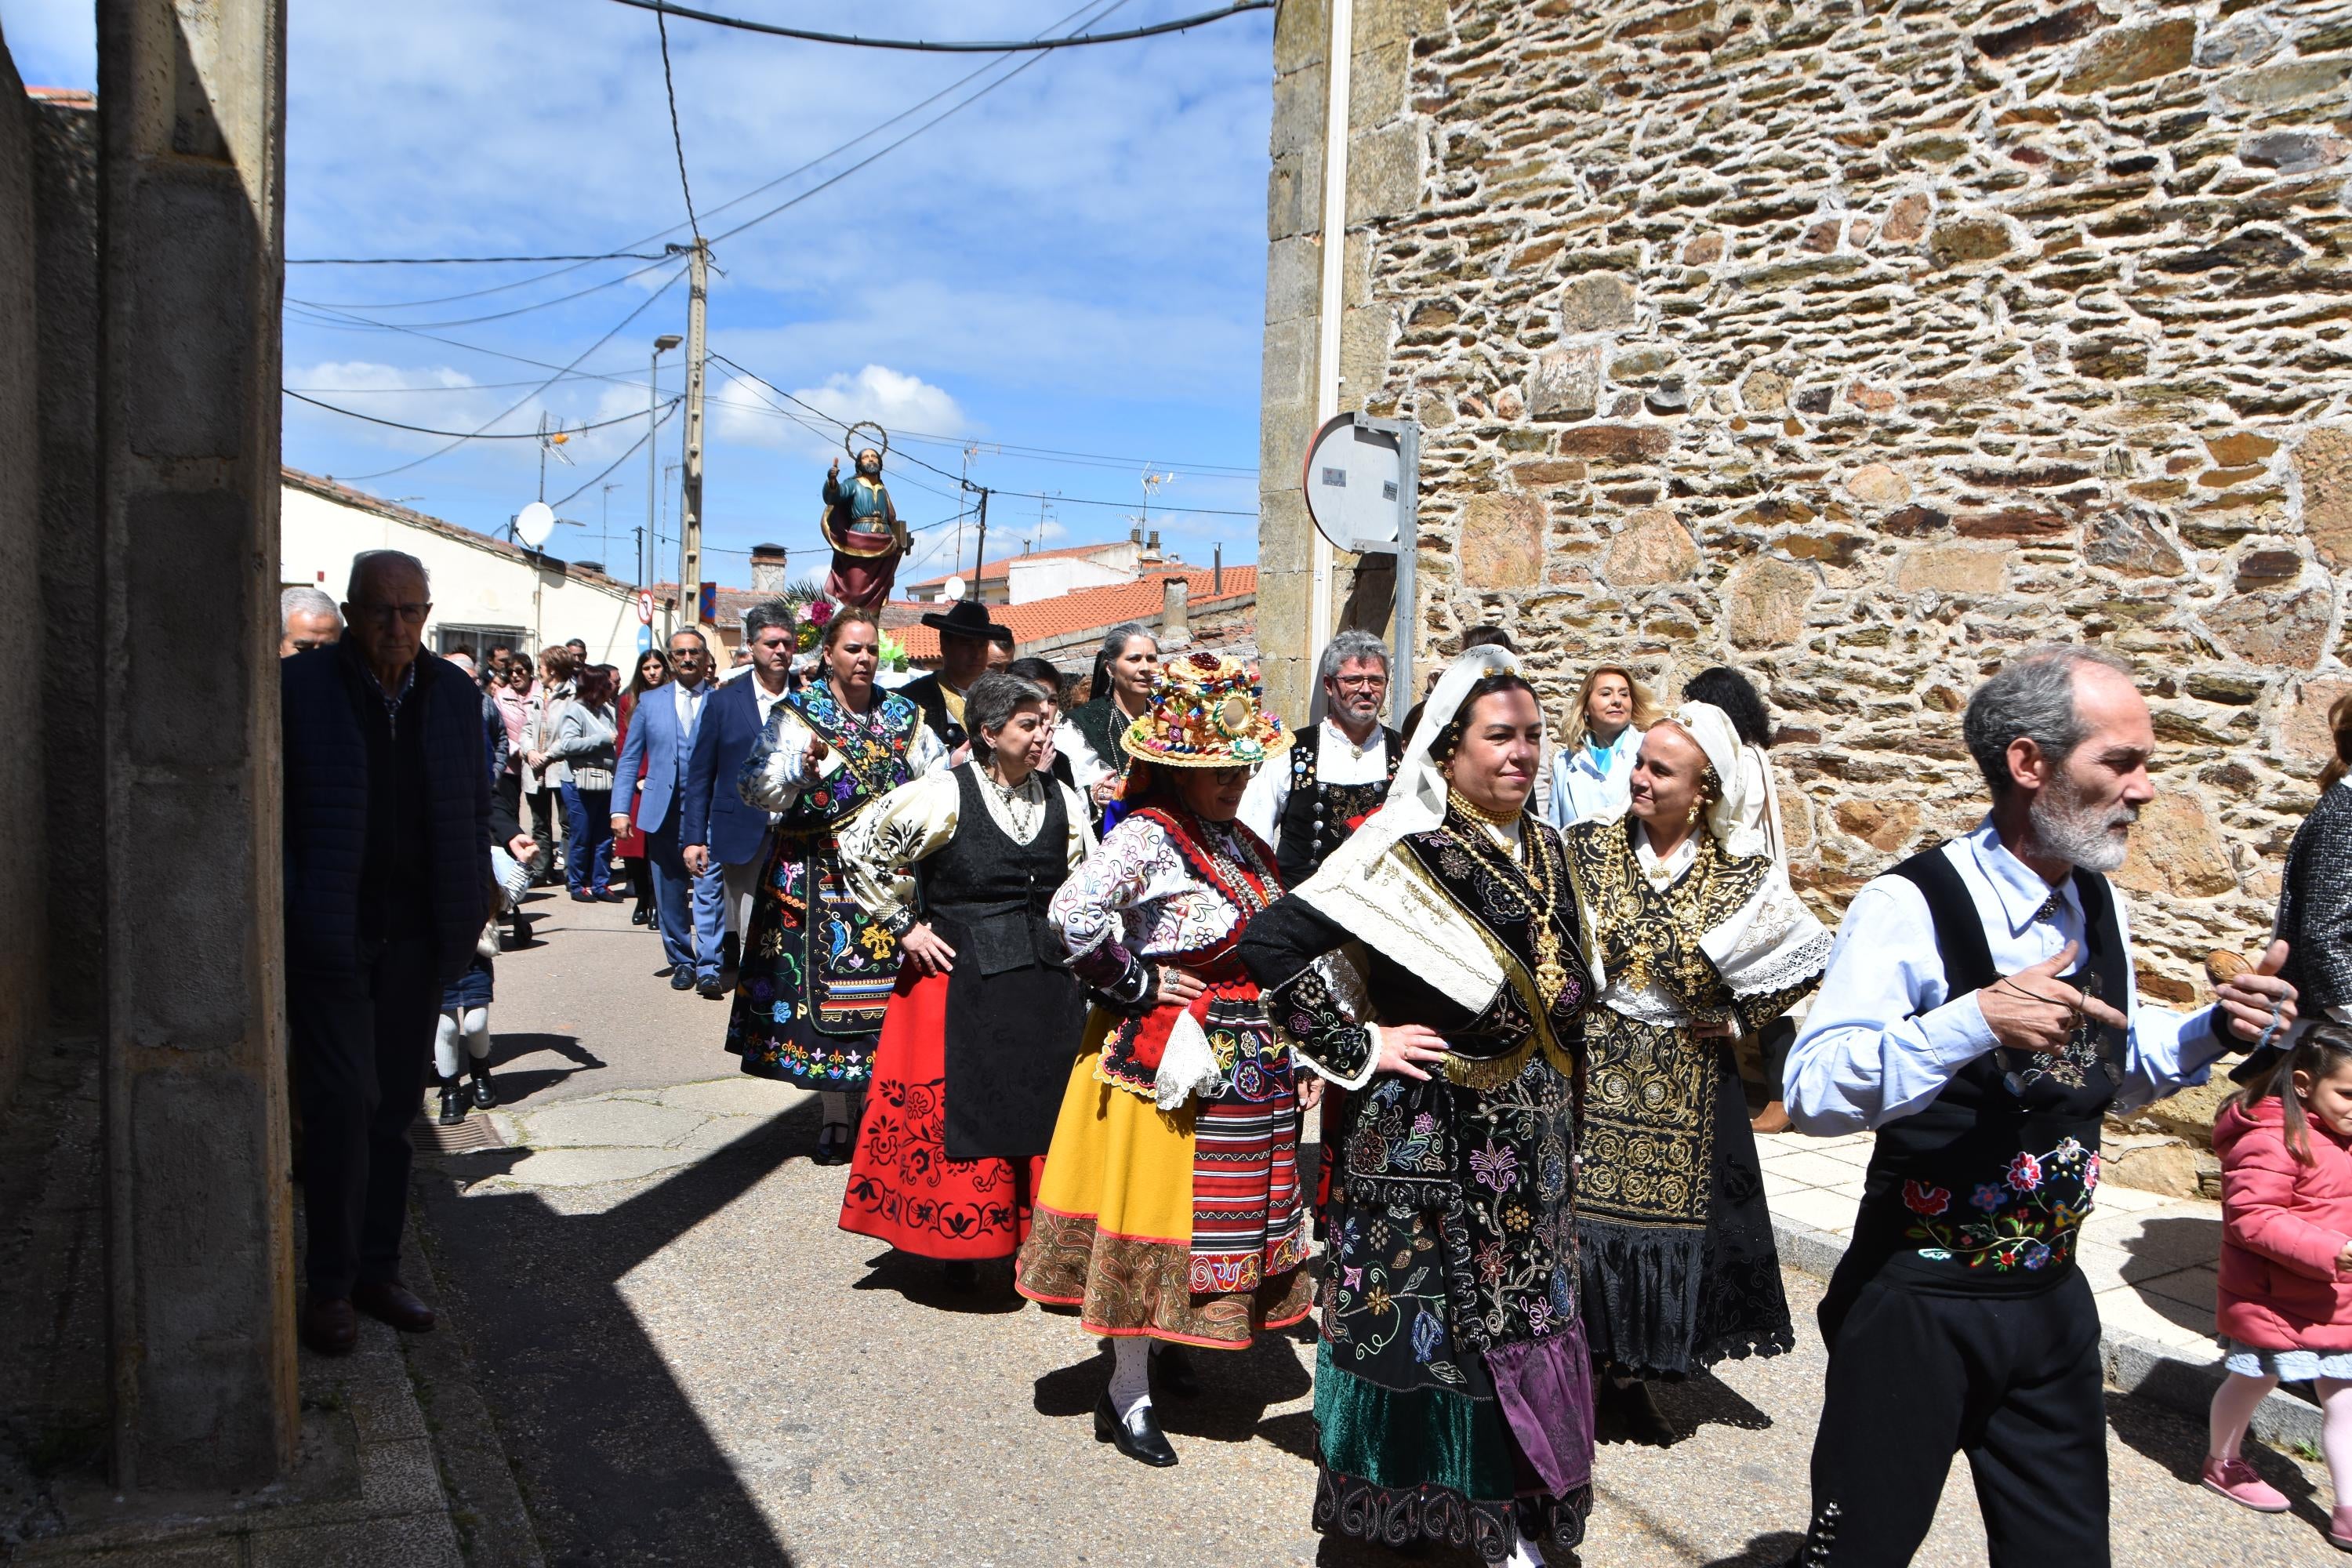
(770, 566)
(1151, 545)
(1217, 571)
(1135, 535)
(1175, 628)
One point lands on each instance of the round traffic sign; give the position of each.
(1352, 479)
(646, 605)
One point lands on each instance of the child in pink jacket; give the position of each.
(2285, 1292)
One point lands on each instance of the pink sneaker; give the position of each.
(2235, 1479)
(2339, 1527)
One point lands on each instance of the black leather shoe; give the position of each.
(329, 1326)
(712, 990)
(1172, 1371)
(1141, 1440)
(392, 1302)
(681, 979)
(641, 917)
(832, 1145)
(453, 1103)
(485, 1096)
(1644, 1422)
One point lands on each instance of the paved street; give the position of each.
(689, 1362)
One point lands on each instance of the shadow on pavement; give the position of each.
(921, 1281)
(2177, 1443)
(518, 1086)
(1768, 1550)
(614, 1463)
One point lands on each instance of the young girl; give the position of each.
(2285, 1294)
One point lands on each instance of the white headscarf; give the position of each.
(1736, 817)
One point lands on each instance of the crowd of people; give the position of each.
(1069, 980)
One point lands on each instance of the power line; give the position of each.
(668, 409)
(475, 435)
(669, 90)
(459, 261)
(808, 35)
(551, 381)
(1095, 7)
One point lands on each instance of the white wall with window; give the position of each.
(485, 591)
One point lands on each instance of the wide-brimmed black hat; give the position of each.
(967, 618)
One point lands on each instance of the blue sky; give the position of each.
(1074, 262)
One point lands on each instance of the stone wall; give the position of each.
(1860, 347)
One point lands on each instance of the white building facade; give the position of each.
(486, 592)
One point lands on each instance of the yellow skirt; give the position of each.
(1112, 1234)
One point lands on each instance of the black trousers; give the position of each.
(361, 1043)
(2012, 1382)
(1772, 1045)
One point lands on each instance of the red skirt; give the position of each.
(903, 1188)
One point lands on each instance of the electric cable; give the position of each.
(809, 34)
(461, 435)
(677, 139)
(551, 381)
(668, 409)
(461, 260)
(1095, 7)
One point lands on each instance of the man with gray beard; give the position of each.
(1978, 1013)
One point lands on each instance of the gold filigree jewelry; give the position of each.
(1646, 945)
(1536, 884)
(1476, 813)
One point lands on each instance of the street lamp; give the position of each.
(662, 345)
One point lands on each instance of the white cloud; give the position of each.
(746, 412)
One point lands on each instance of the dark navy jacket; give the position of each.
(713, 812)
(327, 800)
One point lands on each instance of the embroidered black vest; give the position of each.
(1315, 818)
(1986, 1186)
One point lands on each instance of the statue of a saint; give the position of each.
(864, 530)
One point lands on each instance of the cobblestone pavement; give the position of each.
(689, 1362)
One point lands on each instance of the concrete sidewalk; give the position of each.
(2151, 1261)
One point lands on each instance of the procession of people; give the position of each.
(1077, 990)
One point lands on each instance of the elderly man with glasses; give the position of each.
(387, 844)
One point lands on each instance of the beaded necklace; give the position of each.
(1531, 878)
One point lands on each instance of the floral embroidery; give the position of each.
(1922, 1199)
(1494, 1166)
(2029, 1219)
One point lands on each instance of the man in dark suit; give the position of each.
(387, 851)
(965, 632)
(716, 830)
(690, 906)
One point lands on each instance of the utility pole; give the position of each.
(662, 345)
(980, 561)
(689, 515)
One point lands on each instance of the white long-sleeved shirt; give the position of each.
(1586, 783)
(1885, 1035)
(1337, 761)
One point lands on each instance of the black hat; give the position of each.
(968, 618)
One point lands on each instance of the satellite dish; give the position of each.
(954, 590)
(534, 523)
(1352, 479)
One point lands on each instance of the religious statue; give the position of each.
(864, 530)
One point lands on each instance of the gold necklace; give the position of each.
(1534, 883)
(1646, 943)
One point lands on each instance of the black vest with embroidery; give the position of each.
(1315, 816)
(1986, 1185)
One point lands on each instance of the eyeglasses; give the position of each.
(399, 612)
(1359, 682)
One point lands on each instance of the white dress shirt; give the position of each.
(1586, 783)
(1337, 761)
(1885, 1035)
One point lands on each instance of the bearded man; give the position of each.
(1978, 1013)
(863, 527)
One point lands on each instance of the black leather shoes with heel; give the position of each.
(1140, 1440)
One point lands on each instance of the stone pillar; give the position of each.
(23, 982)
(199, 1227)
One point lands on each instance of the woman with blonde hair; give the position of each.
(1595, 758)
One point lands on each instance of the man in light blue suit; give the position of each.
(692, 909)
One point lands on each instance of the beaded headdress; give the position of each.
(1206, 712)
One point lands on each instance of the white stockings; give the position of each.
(471, 1024)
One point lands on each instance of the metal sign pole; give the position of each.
(1408, 602)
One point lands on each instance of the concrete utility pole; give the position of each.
(979, 556)
(689, 515)
(662, 345)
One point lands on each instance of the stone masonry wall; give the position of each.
(1862, 346)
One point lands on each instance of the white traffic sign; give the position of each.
(646, 605)
(1353, 473)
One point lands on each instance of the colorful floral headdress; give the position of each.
(1206, 712)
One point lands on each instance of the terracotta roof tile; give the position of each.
(1091, 609)
(994, 569)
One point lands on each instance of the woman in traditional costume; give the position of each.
(1694, 937)
(818, 971)
(1170, 1210)
(977, 1046)
(1432, 967)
